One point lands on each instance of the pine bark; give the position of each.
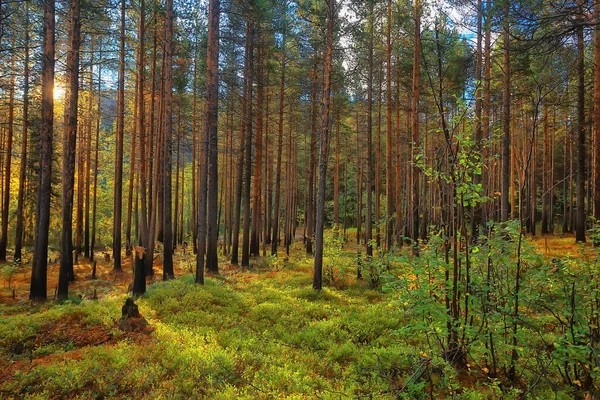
(69, 148)
(40, 249)
(323, 150)
(118, 198)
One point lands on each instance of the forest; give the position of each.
(303, 199)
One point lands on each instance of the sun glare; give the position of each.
(59, 92)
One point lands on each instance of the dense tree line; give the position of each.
(241, 126)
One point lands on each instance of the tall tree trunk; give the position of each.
(580, 224)
(477, 178)
(596, 167)
(212, 119)
(168, 272)
(248, 150)
(323, 149)
(194, 153)
(69, 143)
(370, 166)
(310, 205)
(415, 121)
(545, 174)
(20, 226)
(398, 203)
(118, 199)
(95, 195)
(132, 175)
(256, 196)
(486, 110)
(275, 240)
(241, 153)
(40, 249)
(506, 167)
(8, 161)
(88, 156)
(142, 177)
(389, 170)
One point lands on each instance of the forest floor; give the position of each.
(260, 333)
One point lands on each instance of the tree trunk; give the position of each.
(241, 153)
(477, 178)
(40, 248)
(323, 150)
(580, 223)
(248, 150)
(118, 199)
(168, 272)
(256, 197)
(596, 139)
(370, 166)
(8, 161)
(212, 101)
(506, 174)
(389, 170)
(69, 143)
(275, 240)
(20, 226)
(415, 121)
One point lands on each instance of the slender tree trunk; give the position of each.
(256, 196)
(545, 174)
(506, 170)
(168, 272)
(69, 143)
(8, 161)
(370, 166)
(477, 178)
(194, 153)
(596, 139)
(486, 110)
(241, 153)
(118, 199)
(275, 240)
(142, 177)
(212, 118)
(20, 226)
(40, 249)
(580, 225)
(415, 121)
(398, 203)
(248, 150)
(310, 205)
(323, 149)
(389, 170)
(95, 195)
(88, 157)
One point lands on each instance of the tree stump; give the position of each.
(131, 319)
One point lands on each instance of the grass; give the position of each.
(257, 334)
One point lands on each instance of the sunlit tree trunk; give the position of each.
(40, 248)
(69, 143)
(323, 149)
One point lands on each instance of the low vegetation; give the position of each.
(265, 333)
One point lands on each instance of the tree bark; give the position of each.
(69, 148)
(323, 150)
(168, 272)
(212, 101)
(40, 249)
(20, 226)
(580, 223)
(506, 170)
(118, 199)
(389, 174)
